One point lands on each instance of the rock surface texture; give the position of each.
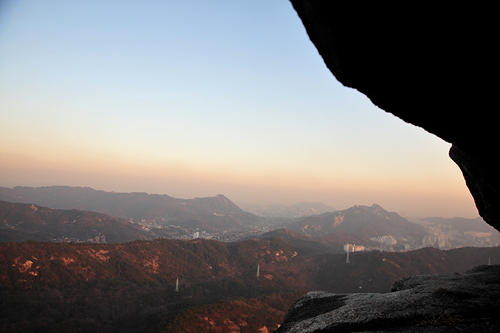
(447, 302)
(432, 66)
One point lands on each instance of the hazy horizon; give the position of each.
(266, 204)
(194, 99)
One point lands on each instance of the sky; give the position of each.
(199, 98)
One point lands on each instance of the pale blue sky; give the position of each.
(196, 98)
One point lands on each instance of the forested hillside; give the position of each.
(22, 222)
(131, 287)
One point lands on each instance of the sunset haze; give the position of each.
(197, 98)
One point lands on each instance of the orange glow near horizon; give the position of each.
(191, 101)
(438, 195)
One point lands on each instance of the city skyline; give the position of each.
(196, 99)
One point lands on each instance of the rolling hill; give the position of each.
(21, 222)
(363, 221)
(208, 213)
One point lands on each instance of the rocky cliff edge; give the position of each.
(446, 302)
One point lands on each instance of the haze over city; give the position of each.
(198, 98)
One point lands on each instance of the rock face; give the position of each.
(447, 302)
(428, 65)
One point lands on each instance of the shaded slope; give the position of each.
(213, 212)
(21, 222)
(130, 287)
(364, 221)
(263, 314)
(283, 264)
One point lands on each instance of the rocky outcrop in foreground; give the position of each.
(447, 302)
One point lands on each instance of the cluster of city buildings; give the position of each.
(224, 236)
(353, 247)
(177, 232)
(65, 240)
(443, 236)
(100, 239)
(387, 240)
(387, 243)
(392, 243)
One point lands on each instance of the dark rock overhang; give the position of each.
(432, 66)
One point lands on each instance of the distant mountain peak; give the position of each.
(217, 212)
(222, 197)
(374, 207)
(367, 221)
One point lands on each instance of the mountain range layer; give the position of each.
(28, 217)
(21, 222)
(208, 213)
(298, 210)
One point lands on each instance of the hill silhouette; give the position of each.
(216, 212)
(364, 221)
(21, 222)
(297, 210)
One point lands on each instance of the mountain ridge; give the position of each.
(366, 221)
(297, 210)
(22, 222)
(217, 212)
